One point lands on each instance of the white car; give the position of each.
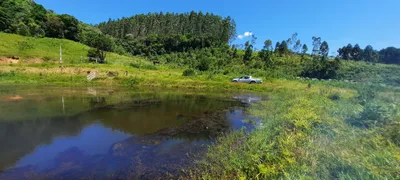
(247, 79)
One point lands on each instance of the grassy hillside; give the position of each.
(48, 49)
(370, 73)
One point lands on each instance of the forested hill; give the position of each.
(191, 24)
(22, 17)
(150, 34)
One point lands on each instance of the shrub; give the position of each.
(366, 94)
(204, 64)
(132, 82)
(393, 133)
(135, 65)
(334, 96)
(143, 66)
(7, 74)
(189, 72)
(374, 114)
(210, 75)
(46, 58)
(24, 45)
(321, 69)
(149, 67)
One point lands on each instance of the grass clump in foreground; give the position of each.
(307, 135)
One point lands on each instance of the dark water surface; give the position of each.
(94, 133)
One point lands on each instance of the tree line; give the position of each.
(161, 33)
(30, 19)
(390, 55)
(195, 24)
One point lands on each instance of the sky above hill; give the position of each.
(338, 22)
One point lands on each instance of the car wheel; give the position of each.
(252, 82)
(235, 81)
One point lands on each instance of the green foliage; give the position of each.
(283, 48)
(370, 55)
(321, 68)
(7, 74)
(369, 73)
(93, 53)
(132, 82)
(70, 27)
(304, 49)
(324, 50)
(390, 55)
(374, 114)
(393, 133)
(153, 45)
(4, 19)
(199, 25)
(366, 94)
(143, 66)
(248, 53)
(34, 20)
(102, 43)
(189, 72)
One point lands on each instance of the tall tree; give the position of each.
(55, 27)
(266, 52)
(4, 19)
(277, 47)
(297, 46)
(103, 45)
(304, 49)
(390, 55)
(294, 43)
(248, 53)
(203, 26)
(70, 27)
(268, 45)
(324, 50)
(356, 53)
(283, 48)
(369, 54)
(346, 52)
(316, 45)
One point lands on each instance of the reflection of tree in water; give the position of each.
(96, 102)
(18, 139)
(143, 118)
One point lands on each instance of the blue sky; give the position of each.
(339, 22)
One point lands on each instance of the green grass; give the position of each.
(48, 49)
(370, 73)
(307, 135)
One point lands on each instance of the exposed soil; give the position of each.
(5, 60)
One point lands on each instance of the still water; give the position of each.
(95, 133)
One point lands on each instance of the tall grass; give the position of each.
(307, 135)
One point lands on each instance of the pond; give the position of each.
(96, 133)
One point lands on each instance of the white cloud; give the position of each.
(246, 34)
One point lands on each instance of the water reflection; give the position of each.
(117, 134)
